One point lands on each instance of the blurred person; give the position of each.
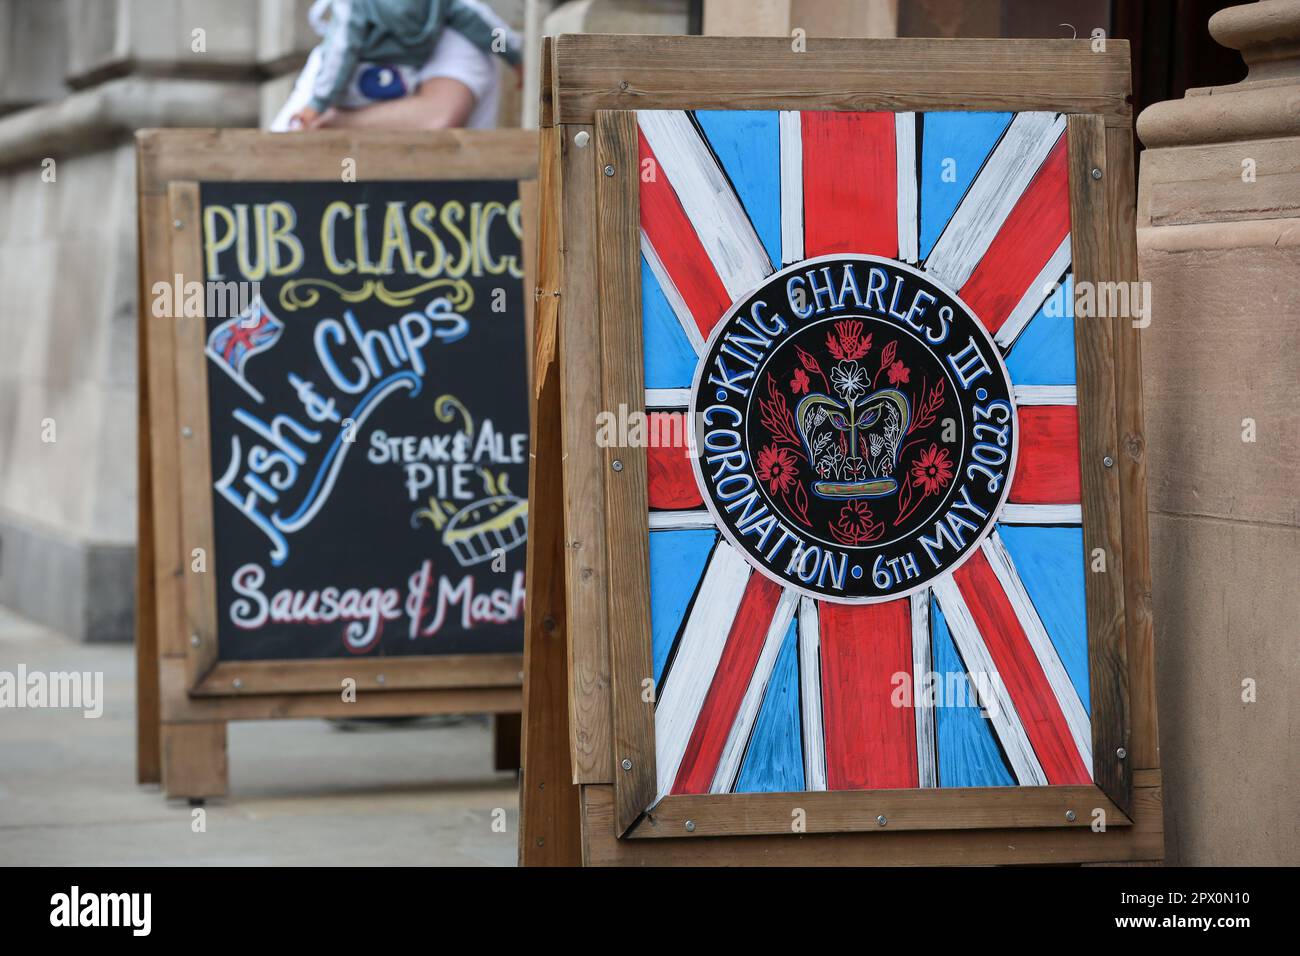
(400, 64)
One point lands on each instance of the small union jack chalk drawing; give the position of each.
(235, 341)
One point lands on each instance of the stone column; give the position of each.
(596, 16)
(1219, 242)
(77, 78)
(817, 18)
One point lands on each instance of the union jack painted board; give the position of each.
(801, 262)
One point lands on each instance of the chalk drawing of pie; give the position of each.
(480, 529)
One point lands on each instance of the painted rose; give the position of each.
(933, 470)
(776, 466)
(856, 523)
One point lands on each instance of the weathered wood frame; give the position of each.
(610, 728)
(185, 694)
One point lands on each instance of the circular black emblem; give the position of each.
(853, 428)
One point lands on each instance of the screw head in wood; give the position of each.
(882, 820)
(187, 432)
(178, 224)
(609, 170)
(1096, 173)
(238, 682)
(379, 678)
(626, 764)
(581, 138)
(690, 826)
(1070, 815)
(1108, 461)
(1121, 753)
(616, 465)
(194, 640)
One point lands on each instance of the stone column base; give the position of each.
(83, 589)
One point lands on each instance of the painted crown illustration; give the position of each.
(853, 438)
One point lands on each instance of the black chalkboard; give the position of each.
(368, 417)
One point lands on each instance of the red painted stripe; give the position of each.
(730, 680)
(1024, 244)
(1022, 675)
(870, 743)
(670, 480)
(1047, 464)
(850, 175)
(670, 232)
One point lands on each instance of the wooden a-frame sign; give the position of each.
(328, 518)
(839, 551)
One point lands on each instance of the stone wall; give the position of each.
(77, 78)
(1219, 241)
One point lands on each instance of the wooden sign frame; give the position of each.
(185, 695)
(594, 800)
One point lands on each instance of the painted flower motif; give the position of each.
(850, 380)
(898, 372)
(855, 468)
(799, 384)
(777, 467)
(847, 343)
(828, 462)
(856, 521)
(933, 470)
(807, 360)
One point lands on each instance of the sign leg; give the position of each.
(194, 759)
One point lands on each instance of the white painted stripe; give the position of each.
(997, 704)
(1041, 514)
(1066, 695)
(698, 651)
(1046, 394)
(675, 300)
(791, 186)
(993, 195)
(921, 702)
(667, 397)
(681, 520)
(810, 696)
(706, 196)
(733, 752)
(905, 151)
(1044, 284)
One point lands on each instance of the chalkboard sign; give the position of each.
(334, 454)
(368, 418)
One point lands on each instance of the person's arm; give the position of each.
(479, 25)
(439, 103)
(339, 52)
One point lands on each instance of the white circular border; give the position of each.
(692, 447)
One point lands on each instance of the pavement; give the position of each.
(302, 792)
